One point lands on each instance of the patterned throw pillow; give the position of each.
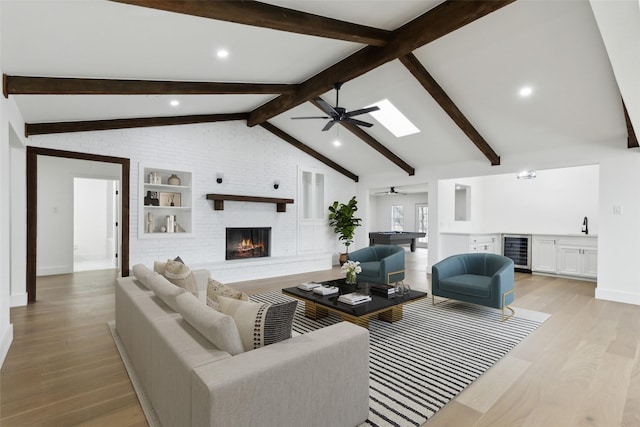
(180, 275)
(216, 289)
(159, 266)
(260, 324)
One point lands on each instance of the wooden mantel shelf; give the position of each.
(218, 201)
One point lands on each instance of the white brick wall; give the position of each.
(250, 158)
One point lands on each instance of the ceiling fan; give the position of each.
(392, 190)
(339, 114)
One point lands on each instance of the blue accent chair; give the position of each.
(380, 263)
(478, 278)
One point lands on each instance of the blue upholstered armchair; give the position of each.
(380, 263)
(479, 278)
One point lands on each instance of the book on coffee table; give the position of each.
(382, 289)
(326, 290)
(354, 298)
(308, 286)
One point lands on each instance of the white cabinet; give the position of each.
(485, 243)
(165, 203)
(544, 254)
(577, 261)
(565, 255)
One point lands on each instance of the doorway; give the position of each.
(95, 224)
(32, 208)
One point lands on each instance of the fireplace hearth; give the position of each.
(248, 242)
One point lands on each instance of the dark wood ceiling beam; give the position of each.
(269, 16)
(632, 139)
(437, 22)
(24, 85)
(310, 151)
(440, 96)
(93, 125)
(373, 143)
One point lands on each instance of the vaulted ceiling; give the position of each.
(454, 68)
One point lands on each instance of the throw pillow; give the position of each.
(180, 275)
(260, 324)
(217, 327)
(216, 289)
(159, 266)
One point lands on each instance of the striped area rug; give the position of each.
(417, 365)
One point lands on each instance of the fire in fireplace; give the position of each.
(248, 242)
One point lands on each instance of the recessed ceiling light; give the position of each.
(222, 53)
(337, 143)
(174, 102)
(525, 91)
(391, 118)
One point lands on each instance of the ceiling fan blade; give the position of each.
(328, 125)
(358, 122)
(326, 107)
(361, 111)
(314, 117)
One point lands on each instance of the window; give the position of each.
(312, 195)
(422, 223)
(397, 218)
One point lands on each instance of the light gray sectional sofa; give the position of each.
(319, 378)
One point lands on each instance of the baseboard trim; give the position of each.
(7, 339)
(617, 296)
(19, 300)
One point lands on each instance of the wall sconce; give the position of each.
(219, 177)
(276, 184)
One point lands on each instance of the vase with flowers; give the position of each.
(351, 269)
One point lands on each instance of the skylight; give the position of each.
(391, 118)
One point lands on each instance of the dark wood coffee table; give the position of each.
(317, 306)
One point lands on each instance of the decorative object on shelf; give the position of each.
(171, 223)
(149, 223)
(171, 199)
(344, 222)
(154, 178)
(276, 184)
(174, 180)
(351, 269)
(151, 199)
(219, 177)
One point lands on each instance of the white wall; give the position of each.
(250, 158)
(56, 205)
(619, 236)
(10, 230)
(93, 218)
(381, 210)
(555, 202)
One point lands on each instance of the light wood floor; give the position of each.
(580, 368)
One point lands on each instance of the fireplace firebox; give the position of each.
(248, 242)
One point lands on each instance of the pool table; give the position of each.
(395, 238)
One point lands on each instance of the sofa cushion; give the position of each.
(260, 324)
(217, 327)
(468, 284)
(216, 289)
(142, 273)
(165, 290)
(180, 275)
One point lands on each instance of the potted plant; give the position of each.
(344, 222)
